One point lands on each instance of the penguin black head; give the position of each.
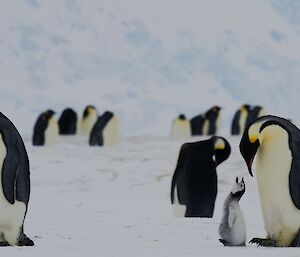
(88, 109)
(213, 112)
(246, 107)
(256, 133)
(221, 148)
(238, 189)
(181, 117)
(49, 114)
(107, 115)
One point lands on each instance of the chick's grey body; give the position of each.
(232, 229)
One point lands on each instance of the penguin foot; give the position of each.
(224, 242)
(296, 241)
(25, 241)
(3, 244)
(263, 242)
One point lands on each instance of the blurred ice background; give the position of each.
(148, 61)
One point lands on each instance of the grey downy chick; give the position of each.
(232, 229)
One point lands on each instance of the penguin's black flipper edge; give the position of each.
(9, 174)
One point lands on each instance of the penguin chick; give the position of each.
(232, 229)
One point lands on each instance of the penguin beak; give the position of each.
(248, 150)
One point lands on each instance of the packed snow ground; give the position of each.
(93, 201)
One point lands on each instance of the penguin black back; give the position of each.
(40, 126)
(197, 123)
(96, 136)
(239, 122)
(212, 115)
(195, 175)
(68, 122)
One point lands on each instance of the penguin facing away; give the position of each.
(181, 127)
(15, 185)
(194, 182)
(276, 143)
(239, 121)
(197, 124)
(212, 116)
(45, 130)
(106, 131)
(255, 112)
(232, 228)
(88, 119)
(68, 122)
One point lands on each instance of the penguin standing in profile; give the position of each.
(232, 229)
(212, 118)
(88, 119)
(14, 186)
(106, 131)
(68, 122)
(181, 127)
(197, 124)
(276, 144)
(194, 182)
(45, 130)
(239, 121)
(255, 112)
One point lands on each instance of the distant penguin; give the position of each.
(68, 122)
(239, 121)
(232, 229)
(88, 119)
(15, 185)
(45, 130)
(212, 117)
(181, 127)
(194, 182)
(256, 112)
(106, 131)
(197, 124)
(275, 142)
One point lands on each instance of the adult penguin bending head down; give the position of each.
(276, 143)
(15, 185)
(194, 183)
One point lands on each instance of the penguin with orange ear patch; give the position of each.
(275, 142)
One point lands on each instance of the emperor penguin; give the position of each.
(15, 185)
(212, 121)
(194, 182)
(239, 121)
(232, 228)
(88, 119)
(68, 122)
(255, 112)
(181, 127)
(197, 124)
(275, 142)
(45, 130)
(106, 131)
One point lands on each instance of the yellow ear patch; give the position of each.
(252, 138)
(219, 144)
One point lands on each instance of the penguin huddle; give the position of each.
(202, 124)
(101, 131)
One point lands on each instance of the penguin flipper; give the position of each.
(9, 174)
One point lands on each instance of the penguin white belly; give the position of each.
(181, 129)
(205, 127)
(242, 121)
(11, 215)
(179, 209)
(88, 123)
(239, 227)
(111, 133)
(273, 164)
(51, 132)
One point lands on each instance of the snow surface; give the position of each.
(93, 201)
